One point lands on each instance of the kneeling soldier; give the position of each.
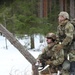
(50, 56)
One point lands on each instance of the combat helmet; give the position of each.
(51, 35)
(64, 14)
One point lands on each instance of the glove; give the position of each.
(48, 62)
(37, 63)
(59, 47)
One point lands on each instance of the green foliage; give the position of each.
(21, 18)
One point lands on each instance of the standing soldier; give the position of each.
(50, 55)
(65, 36)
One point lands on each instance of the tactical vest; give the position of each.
(48, 53)
(62, 36)
(62, 28)
(62, 33)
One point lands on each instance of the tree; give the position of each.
(72, 9)
(40, 9)
(45, 8)
(21, 49)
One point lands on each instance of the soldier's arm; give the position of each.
(69, 34)
(43, 54)
(59, 58)
(57, 34)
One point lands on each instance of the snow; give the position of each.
(12, 62)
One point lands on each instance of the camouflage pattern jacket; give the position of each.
(51, 53)
(65, 32)
(65, 36)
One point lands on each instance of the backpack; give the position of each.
(73, 22)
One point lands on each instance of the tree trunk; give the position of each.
(45, 6)
(40, 9)
(41, 38)
(5, 27)
(21, 49)
(35, 70)
(32, 41)
(63, 5)
(49, 5)
(72, 9)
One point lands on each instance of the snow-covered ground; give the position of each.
(12, 61)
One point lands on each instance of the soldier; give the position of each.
(65, 35)
(50, 55)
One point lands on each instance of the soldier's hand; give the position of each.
(37, 62)
(48, 62)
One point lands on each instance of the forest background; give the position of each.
(30, 17)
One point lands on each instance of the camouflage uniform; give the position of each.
(50, 54)
(65, 36)
(65, 30)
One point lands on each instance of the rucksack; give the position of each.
(73, 22)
